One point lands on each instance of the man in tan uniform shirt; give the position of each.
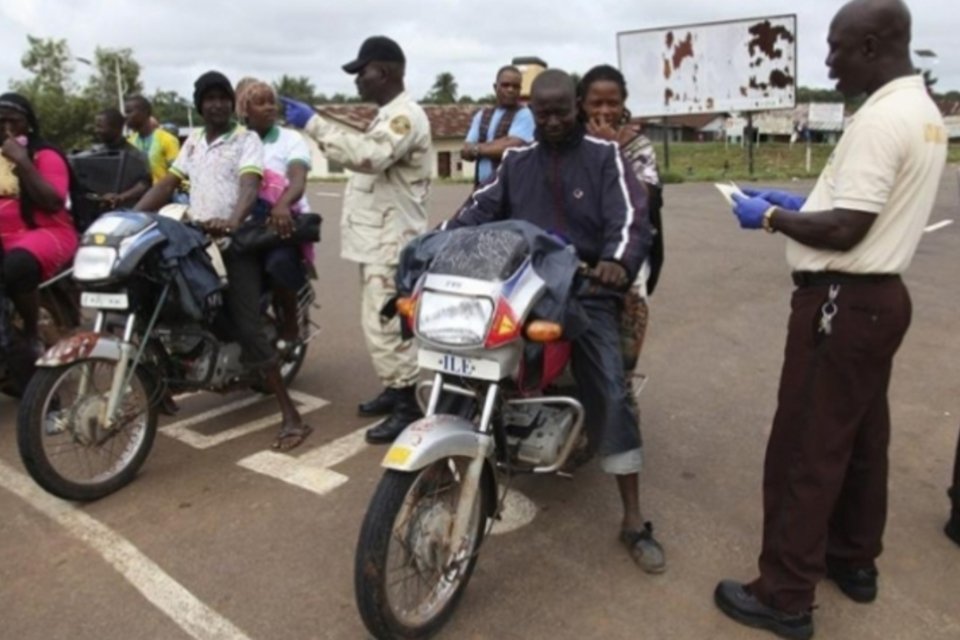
(825, 473)
(384, 208)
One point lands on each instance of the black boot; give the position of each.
(953, 525)
(382, 405)
(404, 412)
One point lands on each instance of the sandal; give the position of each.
(644, 549)
(289, 439)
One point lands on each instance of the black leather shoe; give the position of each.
(860, 585)
(737, 602)
(404, 412)
(382, 405)
(953, 527)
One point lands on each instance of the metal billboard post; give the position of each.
(666, 144)
(750, 142)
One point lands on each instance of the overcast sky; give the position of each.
(176, 40)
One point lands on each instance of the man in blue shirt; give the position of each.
(496, 129)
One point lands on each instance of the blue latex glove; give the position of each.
(296, 113)
(750, 211)
(783, 199)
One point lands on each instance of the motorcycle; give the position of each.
(89, 415)
(447, 474)
(59, 315)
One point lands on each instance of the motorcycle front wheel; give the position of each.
(63, 441)
(407, 577)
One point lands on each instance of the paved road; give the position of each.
(209, 543)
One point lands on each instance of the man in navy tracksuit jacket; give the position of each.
(579, 188)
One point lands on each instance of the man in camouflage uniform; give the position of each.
(384, 207)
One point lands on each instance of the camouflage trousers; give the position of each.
(394, 359)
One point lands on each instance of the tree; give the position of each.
(444, 90)
(102, 88)
(170, 106)
(66, 118)
(299, 88)
(466, 100)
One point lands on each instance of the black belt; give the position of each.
(822, 278)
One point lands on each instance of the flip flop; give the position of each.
(292, 438)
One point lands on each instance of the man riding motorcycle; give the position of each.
(576, 187)
(224, 163)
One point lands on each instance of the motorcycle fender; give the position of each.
(80, 346)
(433, 438)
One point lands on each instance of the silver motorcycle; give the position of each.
(89, 415)
(447, 474)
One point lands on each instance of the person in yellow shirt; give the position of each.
(160, 146)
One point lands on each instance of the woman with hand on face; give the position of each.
(37, 234)
(602, 94)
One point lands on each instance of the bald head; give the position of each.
(553, 81)
(869, 45)
(553, 101)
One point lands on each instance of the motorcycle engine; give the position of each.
(537, 433)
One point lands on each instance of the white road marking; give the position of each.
(182, 431)
(162, 591)
(937, 226)
(311, 471)
(518, 511)
(326, 194)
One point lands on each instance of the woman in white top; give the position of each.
(286, 163)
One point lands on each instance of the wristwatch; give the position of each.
(768, 220)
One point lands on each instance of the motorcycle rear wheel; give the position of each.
(62, 441)
(404, 551)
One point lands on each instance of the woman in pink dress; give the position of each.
(37, 236)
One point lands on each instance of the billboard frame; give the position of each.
(665, 117)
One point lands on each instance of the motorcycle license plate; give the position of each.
(116, 301)
(459, 365)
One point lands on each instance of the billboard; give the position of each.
(741, 65)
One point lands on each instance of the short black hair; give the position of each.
(507, 67)
(113, 117)
(554, 79)
(140, 101)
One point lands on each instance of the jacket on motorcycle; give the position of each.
(581, 190)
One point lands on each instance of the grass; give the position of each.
(714, 161)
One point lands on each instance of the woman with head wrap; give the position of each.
(37, 234)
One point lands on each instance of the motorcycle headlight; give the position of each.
(454, 320)
(93, 263)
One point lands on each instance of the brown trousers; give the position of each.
(825, 473)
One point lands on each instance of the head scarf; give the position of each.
(16, 102)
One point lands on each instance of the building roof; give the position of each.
(446, 120)
(949, 107)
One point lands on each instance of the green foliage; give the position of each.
(170, 106)
(66, 116)
(466, 100)
(444, 90)
(107, 64)
(299, 88)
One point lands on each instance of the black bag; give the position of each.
(99, 172)
(256, 236)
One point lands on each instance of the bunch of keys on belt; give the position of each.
(829, 310)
